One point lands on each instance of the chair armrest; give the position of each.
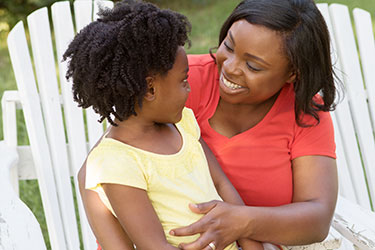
(355, 224)
(19, 228)
(8, 156)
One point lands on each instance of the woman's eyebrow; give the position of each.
(248, 54)
(257, 58)
(231, 38)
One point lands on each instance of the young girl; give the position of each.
(131, 67)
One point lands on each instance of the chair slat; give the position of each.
(9, 106)
(343, 117)
(64, 33)
(354, 84)
(21, 229)
(366, 44)
(346, 187)
(22, 67)
(83, 13)
(101, 3)
(41, 42)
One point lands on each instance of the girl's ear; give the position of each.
(150, 94)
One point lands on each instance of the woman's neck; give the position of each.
(233, 119)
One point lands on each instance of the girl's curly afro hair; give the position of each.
(110, 58)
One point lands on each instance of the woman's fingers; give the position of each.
(196, 227)
(203, 208)
(202, 243)
(199, 226)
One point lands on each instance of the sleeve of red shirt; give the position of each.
(314, 140)
(202, 75)
(195, 79)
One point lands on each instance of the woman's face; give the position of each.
(251, 63)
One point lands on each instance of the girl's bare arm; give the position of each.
(106, 227)
(137, 216)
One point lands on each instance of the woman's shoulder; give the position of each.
(200, 60)
(203, 77)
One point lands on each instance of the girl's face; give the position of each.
(172, 90)
(251, 64)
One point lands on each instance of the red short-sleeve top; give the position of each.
(258, 161)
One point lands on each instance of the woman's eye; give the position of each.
(252, 68)
(227, 46)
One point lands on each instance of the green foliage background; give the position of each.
(206, 17)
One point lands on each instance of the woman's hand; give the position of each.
(222, 224)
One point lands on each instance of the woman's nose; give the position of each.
(232, 66)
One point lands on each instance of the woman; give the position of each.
(257, 106)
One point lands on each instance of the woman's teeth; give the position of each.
(230, 84)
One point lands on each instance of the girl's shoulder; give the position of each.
(189, 124)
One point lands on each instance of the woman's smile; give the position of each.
(230, 87)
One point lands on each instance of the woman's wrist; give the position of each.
(246, 221)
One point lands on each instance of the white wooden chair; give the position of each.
(58, 143)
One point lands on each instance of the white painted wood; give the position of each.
(83, 13)
(346, 187)
(346, 127)
(10, 129)
(355, 224)
(354, 84)
(37, 156)
(64, 33)
(19, 228)
(24, 74)
(101, 4)
(41, 43)
(366, 44)
(26, 166)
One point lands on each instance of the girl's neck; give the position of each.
(159, 138)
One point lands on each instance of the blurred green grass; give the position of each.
(206, 17)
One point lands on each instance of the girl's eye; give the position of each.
(228, 48)
(252, 68)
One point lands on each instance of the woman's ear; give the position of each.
(292, 77)
(150, 94)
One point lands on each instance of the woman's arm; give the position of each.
(304, 221)
(226, 191)
(137, 216)
(106, 227)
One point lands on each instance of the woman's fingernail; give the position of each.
(171, 232)
(194, 205)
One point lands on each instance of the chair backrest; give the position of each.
(54, 121)
(45, 116)
(354, 118)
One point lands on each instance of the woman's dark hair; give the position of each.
(111, 57)
(306, 45)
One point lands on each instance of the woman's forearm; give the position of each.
(293, 224)
(307, 219)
